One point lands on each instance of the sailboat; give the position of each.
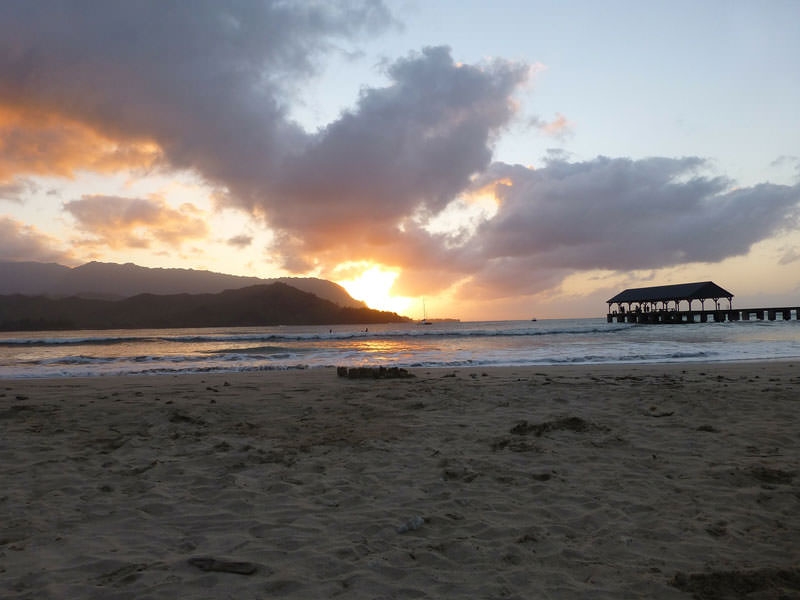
(424, 315)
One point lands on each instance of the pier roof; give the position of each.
(700, 290)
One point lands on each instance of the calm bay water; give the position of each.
(499, 343)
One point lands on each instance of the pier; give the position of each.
(704, 316)
(664, 304)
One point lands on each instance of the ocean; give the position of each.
(446, 344)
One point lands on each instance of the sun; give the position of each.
(373, 283)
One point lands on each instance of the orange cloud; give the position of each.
(20, 242)
(34, 142)
(118, 222)
(559, 127)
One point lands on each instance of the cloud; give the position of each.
(240, 241)
(34, 142)
(14, 191)
(622, 214)
(205, 82)
(206, 86)
(560, 127)
(785, 159)
(789, 256)
(789, 163)
(615, 215)
(118, 222)
(20, 242)
(410, 146)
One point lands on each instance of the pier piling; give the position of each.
(702, 316)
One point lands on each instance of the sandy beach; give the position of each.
(647, 481)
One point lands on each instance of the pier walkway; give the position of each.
(704, 316)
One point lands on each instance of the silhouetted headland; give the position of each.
(260, 305)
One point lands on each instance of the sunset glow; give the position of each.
(373, 285)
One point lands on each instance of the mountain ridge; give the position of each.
(118, 281)
(260, 305)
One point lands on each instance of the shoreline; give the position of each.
(725, 365)
(577, 342)
(562, 480)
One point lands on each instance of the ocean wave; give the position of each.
(576, 342)
(317, 334)
(89, 340)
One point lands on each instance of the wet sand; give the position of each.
(661, 481)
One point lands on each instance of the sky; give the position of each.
(502, 160)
